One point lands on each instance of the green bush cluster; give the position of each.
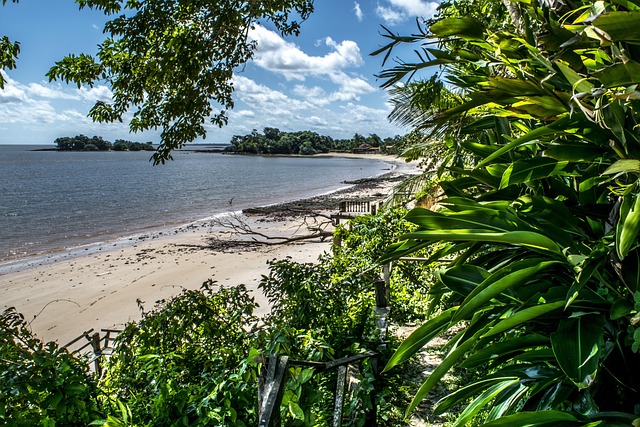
(42, 384)
(275, 141)
(97, 143)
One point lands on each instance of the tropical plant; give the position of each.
(41, 383)
(540, 214)
(187, 362)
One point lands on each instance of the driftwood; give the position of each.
(317, 224)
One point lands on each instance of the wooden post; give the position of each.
(97, 353)
(340, 391)
(274, 388)
(382, 296)
(386, 274)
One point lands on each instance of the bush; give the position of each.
(188, 361)
(41, 384)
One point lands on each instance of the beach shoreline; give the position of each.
(63, 296)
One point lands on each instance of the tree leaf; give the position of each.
(465, 27)
(576, 345)
(523, 316)
(522, 272)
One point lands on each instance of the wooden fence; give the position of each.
(96, 346)
(274, 370)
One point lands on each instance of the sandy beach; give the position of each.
(66, 295)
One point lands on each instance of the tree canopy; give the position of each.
(169, 62)
(274, 141)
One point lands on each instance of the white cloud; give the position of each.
(96, 93)
(314, 95)
(396, 11)
(358, 11)
(306, 109)
(242, 113)
(350, 87)
(277, 55)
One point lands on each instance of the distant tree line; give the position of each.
(97, 143)
(274, 141)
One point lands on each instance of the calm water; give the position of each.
(51, 201)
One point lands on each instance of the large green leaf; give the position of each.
(519, 238)
(463, 278)
(466, 392)
(532, 419)
(621, 74)
(420, 337)
(577, 346)
(559, 126)
(523, 316)
(623, 166)
(628, 225)
(575, 152)
(520, 273)
(464, 27)
(578, 83)
(522, 171)
(620, 26)
(489, 220)
(503, 348)
(480, 402)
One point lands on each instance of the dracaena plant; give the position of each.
(538, 226)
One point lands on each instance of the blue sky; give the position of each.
(322, 80)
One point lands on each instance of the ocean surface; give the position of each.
(52, 201)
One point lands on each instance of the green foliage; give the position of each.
(539, 221)
(9, 52)
(97, 143)
(187, 361)
(41, 384)
(305, 143)
(171, 63)
(364, 241)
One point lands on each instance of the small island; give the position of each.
(306, 143)
(97, 143)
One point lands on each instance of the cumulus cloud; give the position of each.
(304, 109)
(287, 59)
(396, 11)
(51, 108)
(275, 54)
(358, 11)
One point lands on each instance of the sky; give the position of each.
(323, 80)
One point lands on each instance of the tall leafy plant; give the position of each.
(540, 220)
